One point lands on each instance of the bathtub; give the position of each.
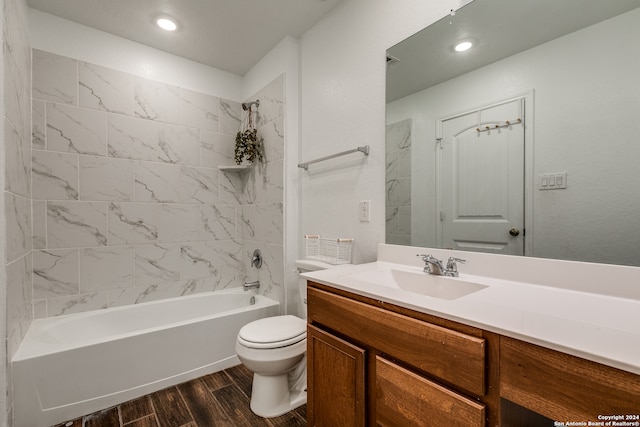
(73, 365)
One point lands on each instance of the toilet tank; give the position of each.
(303, 266)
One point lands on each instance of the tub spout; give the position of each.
(251, 285)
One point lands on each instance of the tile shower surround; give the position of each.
(398, 182)
(15, 202)
(128, 203)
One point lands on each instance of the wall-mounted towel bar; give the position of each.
(364, 150)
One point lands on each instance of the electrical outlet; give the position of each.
(365, 210)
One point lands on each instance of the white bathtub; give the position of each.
(73, 365)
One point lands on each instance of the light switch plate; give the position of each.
(552, 181)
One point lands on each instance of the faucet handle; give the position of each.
(256, 259)
(452, 263)
(427, 257)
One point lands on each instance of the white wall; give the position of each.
(67, 38)
(571, 126)
(343, 106)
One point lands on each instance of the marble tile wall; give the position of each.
(262, 195)
(128, 202)
(15, 215)
(398, 183)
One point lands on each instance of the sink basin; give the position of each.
(434, 286)
(448, 288)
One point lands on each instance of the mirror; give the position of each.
(573, 66)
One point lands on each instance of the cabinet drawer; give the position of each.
(404, 398)
(451, 356)
(560, 386)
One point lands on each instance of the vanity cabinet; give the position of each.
(416, 369)
(564, 387)
(373, 363)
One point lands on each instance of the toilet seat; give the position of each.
(273, 332)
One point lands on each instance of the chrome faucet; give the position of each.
(251, 285)
(433, 265)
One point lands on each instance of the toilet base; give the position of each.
(272, 397)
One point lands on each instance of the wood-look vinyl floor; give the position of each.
(217, 400)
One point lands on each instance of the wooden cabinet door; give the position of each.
(335, 381)
(404, 398)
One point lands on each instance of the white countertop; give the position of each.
(595, 326)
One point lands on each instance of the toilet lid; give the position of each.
(273, 332)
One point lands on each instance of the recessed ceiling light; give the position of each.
(462, 46)
(166, 24)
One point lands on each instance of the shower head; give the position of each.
(247, 105)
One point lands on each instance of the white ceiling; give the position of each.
(499, 28)
(231, 35)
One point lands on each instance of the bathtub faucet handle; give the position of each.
(256, 259)
(251, 285)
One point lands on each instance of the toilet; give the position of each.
(274, 349)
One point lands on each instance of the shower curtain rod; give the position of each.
(364, 150)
